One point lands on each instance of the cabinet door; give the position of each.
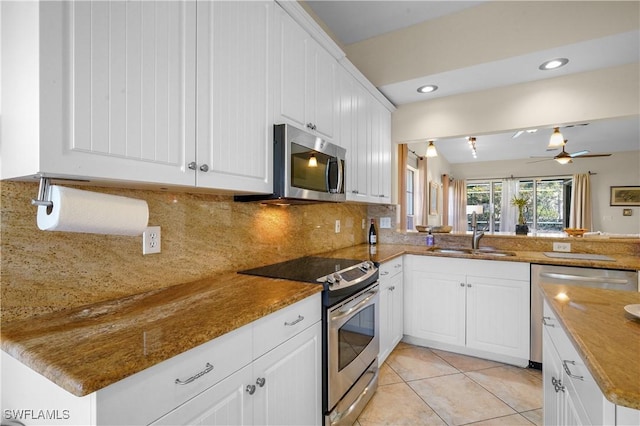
(436, 306)
(498, 316)
(119, 99)
(321, 76)
(360, 146)
(553, 388)
(226, 403)
(234, 132)
(289, 382)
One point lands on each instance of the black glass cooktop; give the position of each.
(307, 269)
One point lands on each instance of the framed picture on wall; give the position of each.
(625, 196)
(433, 198)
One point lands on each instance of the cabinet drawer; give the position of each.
(149, 394)
(280, 326)
(390, 268)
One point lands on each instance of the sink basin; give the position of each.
(479, 252)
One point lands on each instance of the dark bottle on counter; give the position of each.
(373, 236)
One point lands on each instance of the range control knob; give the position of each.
(337, 276)
(331, 280)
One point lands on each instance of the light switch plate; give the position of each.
(564, 247)
(385, 222)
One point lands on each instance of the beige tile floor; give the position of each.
(422, 386)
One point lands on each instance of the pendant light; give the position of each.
(313, 161)
(556, 140)
(431, 150)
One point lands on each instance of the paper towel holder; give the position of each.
(44, 194)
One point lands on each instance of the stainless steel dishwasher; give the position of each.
(613, 279)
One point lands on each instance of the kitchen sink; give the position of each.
(479, 252)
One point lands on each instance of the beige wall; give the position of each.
(201, 235)
(477, 35)
(608, 93)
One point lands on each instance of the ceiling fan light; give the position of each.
(556, 140)
(431, 150)
(564, 160)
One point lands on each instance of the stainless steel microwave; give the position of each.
(306, 168)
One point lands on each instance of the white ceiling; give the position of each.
(354, 21)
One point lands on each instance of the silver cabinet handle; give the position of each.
(393, 287)
(204, 168)
(557, 385)
(289, 324)
(207, 369)
(397, 265)
(461, 284)
(566, 369)
(468, 285)
(261, 381)
(384, 273)
(544, 322)
(251, 389)
(192, 165)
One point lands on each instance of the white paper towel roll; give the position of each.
(75, 210)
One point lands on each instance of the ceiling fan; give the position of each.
(565, 157)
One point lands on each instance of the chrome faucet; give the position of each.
(475, 242)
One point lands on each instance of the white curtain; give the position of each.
(580, 209)
(459, 205)
(421, 208)
(508, 212)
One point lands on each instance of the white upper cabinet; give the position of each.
(99, 89)
(306, 80)
(117, 96)
(233, 128)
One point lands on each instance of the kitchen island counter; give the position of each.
(606, 337)
(88, 348)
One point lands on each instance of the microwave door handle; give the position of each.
(340, 165)
(326, 175)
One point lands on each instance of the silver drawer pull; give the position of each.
(544, 322)
(207, 369)
(384, 273)
(300, 318)
(566, 369)
(251, 389)
(260, 381)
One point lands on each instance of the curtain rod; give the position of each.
(417, 156)
(529, 177)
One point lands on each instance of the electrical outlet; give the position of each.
(151, 240)
(565, 247)
(337, 226)
(385, 223)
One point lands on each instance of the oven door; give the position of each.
(353, 341)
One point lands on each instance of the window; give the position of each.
(547, 210)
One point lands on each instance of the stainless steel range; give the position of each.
(350, 329)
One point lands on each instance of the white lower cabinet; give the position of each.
(475, 307)
(280, 388)
(266, 373)
(571, 395)
(391, 307)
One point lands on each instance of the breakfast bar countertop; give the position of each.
(385, 252)
(604, 334)
(88, 348)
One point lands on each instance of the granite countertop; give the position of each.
(605, 335)
(386, 252)
(86, 349)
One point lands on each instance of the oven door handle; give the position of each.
(347, 312)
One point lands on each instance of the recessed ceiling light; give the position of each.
(553, 64)
(428, 88)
